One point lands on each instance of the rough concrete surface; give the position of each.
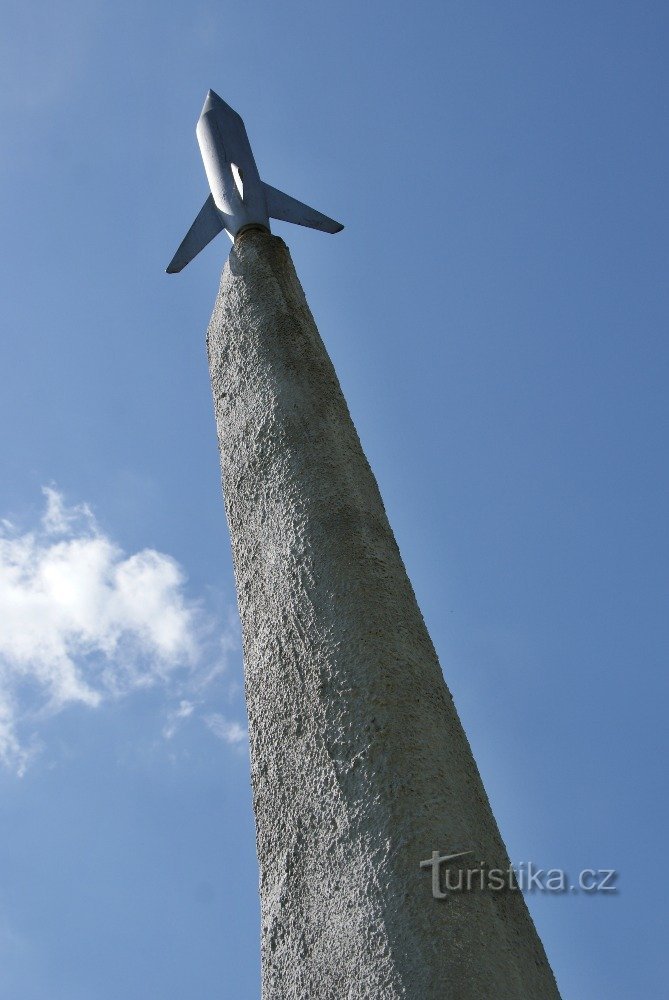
(360, 767)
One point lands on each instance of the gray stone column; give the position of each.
(359, 765)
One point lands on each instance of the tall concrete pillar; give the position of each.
(359, 764)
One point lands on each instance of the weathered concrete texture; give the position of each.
(360, 767)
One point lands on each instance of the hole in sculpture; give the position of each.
(238, 178)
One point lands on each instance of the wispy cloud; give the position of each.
(229, 731)
(176, 716)
(84, 622)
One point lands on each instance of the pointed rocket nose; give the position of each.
(212, 100)
(215, 103)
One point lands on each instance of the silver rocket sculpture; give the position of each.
(239, 200)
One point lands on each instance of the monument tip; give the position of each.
(239, 198)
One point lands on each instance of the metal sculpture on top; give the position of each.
(239, 199)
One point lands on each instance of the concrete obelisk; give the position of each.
(360, 767)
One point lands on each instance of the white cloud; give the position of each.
(175, 718)
(58, 519)
(225, 729)
(84, 622)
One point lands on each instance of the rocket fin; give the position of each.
(207, 225)
(282, 206)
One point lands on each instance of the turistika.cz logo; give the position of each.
(525, 877)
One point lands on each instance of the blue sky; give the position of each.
(496, 309)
